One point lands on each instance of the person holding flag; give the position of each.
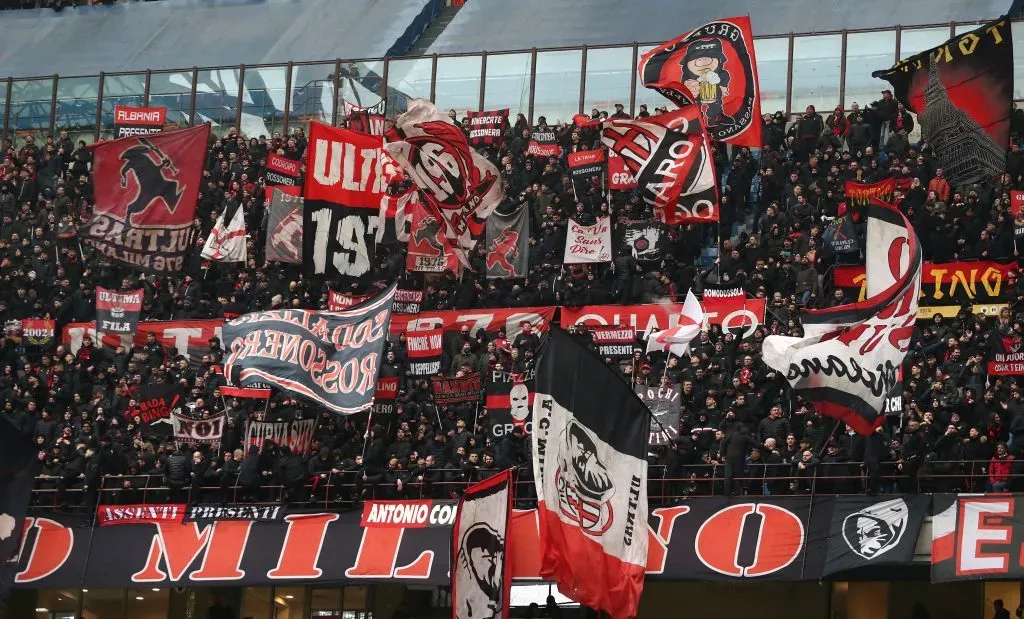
(676, 340)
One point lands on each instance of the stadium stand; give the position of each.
(825, 122)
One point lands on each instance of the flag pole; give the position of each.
(366, 435)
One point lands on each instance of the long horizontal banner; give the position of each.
(943, 284)
(707, 539)
(729, 312)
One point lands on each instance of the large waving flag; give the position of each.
(590, 436)
(714, 69)
(676, 340)
(848, 362)
(459, 186)
(670, 157)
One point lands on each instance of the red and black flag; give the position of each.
(118, 313)
(587, 169)
(713, 67)
(962, 93)
(424, 349)
(509, 402)
(544, 143)
(487, 129)
(508, 243)
(590, 436)
(343, 190)
(457, 389)
(282, 171)
(145, 198)
(428, 250)
(459, 186)
(368, 120)
(129, 121)
(670, 157)
(155, 403)
(481, 573)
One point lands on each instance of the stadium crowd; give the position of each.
(738, 418)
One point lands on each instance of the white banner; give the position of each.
(190, 431)
(588, 244)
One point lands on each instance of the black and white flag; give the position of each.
(665, 407)
(647, 240)
(873, 531)
(481, 572)
(590, 436)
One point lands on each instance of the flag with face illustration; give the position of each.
(712, 68)
(874, 531)
(481, 571)
(590, 436)
(459, 187)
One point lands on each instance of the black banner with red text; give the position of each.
(707, 539)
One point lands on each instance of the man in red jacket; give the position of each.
(999, 469)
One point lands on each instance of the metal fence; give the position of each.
(346, 489)
(824, 69)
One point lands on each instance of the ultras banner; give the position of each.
(713, 67)
(296, 434)
(424, 350)
(155, 403)
(860, 194)
(670, 157)
(343, 190)
(730, 311)
(509, 402)
(145, 198)
(459, 389)
(942, 283)
(117, 313)
(543, 143)
(738, 539)
(329, 358)
(587, 169)
(282, 171)
(962, 93)
(665, 407)
(191, 338)
(129, 121)
(487, 128)
(491, 321)
(647, 240)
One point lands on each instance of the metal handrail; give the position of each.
(344, 489)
